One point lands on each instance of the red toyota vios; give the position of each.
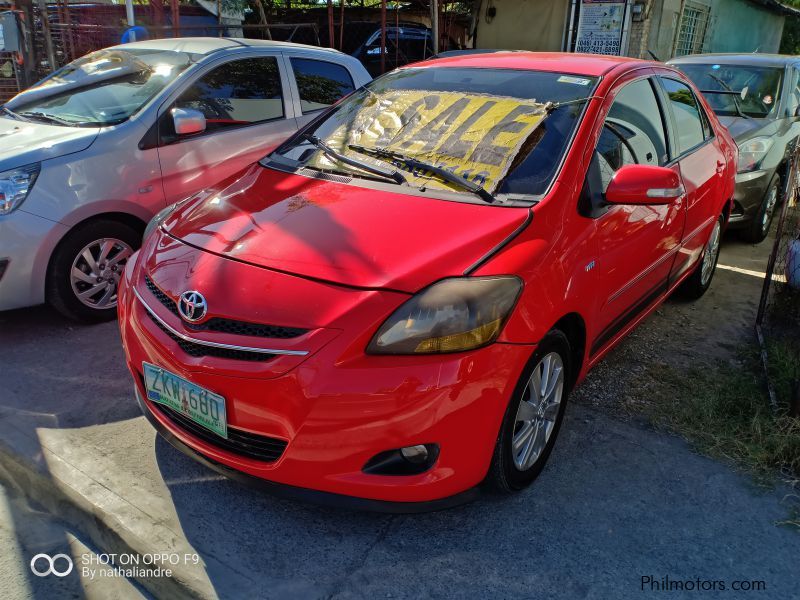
(394, 305)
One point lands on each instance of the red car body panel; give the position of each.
(372, 240)
(337, 260)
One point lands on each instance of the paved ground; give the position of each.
(618, 501)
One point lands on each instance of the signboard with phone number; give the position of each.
(601, 27)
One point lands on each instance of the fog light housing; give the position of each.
(415, 454)
(409, 460)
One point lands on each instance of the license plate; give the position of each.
(199, 404)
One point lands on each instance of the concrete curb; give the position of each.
(109, 521)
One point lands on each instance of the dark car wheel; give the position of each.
(533, 417)
(86, 268)
(700, 280)
(758, 229)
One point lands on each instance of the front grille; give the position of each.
(168, 302)
(258, 447)
(197, 350)
(245, 328)
(226, 325)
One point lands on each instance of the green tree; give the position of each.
(790, 42)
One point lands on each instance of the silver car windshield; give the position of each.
(102, 88)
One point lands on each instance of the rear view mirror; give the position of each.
(644, 184)
(188, 121)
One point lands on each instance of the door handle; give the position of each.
(720, 167)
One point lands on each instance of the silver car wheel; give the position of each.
(710, 255)
(538, 411)
(96, 272)
(769, 209)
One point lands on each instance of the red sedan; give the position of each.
(393, 306)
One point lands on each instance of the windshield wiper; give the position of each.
(40, 116)
(394, 175)
(734, 95)
(13, 115)
(414, 163)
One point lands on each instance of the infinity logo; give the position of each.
(51, 562)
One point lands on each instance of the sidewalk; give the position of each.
(25, 533)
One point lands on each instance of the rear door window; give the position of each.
(320, 83)
(689, 119)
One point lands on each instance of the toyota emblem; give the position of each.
(192, 306)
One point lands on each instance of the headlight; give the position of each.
(752, 152)
(450, 316)
(160, 217)
(15, 185)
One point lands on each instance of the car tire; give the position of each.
(758, 229)
(511, 469)
(86, 267)
(699, 281)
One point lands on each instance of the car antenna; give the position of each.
(653, 56)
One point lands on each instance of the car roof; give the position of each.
(592, 65)
(208, 45)
(749, 58)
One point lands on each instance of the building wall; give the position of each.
(663, 21)
(523, 24)
(735, 26)
(741, 26)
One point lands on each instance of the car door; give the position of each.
(701, 161)
(635, 245)
(248, 112)
(317, 84)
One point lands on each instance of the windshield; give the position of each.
(755, 89)
(495, 128)
(102, 88)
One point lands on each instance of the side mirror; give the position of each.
(188, 121)
(644, 184)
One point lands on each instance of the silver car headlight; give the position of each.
(752, 152)
(452, 315)
(15, 185)
(157, 220)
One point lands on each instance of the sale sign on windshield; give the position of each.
(475, 136)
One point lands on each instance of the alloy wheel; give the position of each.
(538, 411)
(769, 209)
(96, 272)
(711, 254)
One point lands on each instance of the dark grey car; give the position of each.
(757, 97)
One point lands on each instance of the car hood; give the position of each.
(22, 143)
(342, 233)
(743, 129)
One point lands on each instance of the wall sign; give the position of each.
(601, 27)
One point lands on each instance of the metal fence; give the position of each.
(778, 319)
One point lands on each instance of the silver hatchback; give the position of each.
(92, 152)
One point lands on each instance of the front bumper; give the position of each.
(304, 494)
(335, 410)
(748, 196)
(26, 243)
